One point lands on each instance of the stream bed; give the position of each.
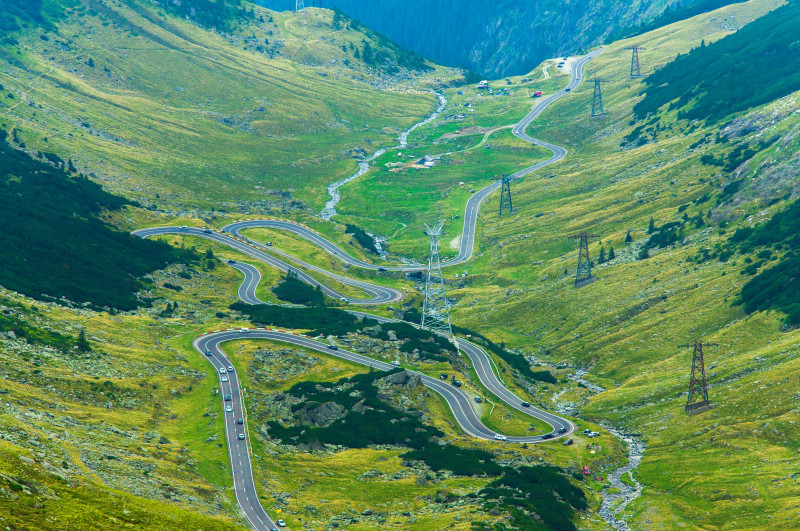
(617, 497)
(363, 166)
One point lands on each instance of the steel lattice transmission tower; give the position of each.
(435, 312)
(584, 271)
(298, 6)
(505, 196)
(697, 381)
(635, 69)
(597, 100)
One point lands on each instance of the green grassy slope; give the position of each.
(726, 468)
(177, 115)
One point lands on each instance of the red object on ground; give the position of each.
(586, 470)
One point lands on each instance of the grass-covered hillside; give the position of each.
(56, 244)
(170, 111)
(700, 215)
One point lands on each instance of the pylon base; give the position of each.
(699, 407)
(585, 281)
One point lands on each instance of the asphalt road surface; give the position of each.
(209, 345)
(471, 210)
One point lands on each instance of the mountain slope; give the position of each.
(500, 38)
(143, 100)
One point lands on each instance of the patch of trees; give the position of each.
(672, 13)
(292, 289)
(778, 287)
(375, 422)
(55, 245)
(459, 461)
(726, 77)
(333, 321)
(543, 490)
(220, 14)
(364, 240)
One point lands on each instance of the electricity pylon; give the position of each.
(597, 100)
(697, 381)
(635, 70)
(505, 196)
(584, 271)
(435, 313)
(298, 6)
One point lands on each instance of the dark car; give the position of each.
(456, 383)
(562, 430)
(443, 376)
(227, 398)
(239, 421)
(231, 261)
(478, 399)
(208, 353)
(567, 89)
(568, 442)
(547, 436)
(333, 347)
(207, 231)
(382, 269)
(526, 404)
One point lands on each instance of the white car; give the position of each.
(500, 437)
(230, 368)
(224, 378)
(222, 370)
(281, 523)
(229, 409)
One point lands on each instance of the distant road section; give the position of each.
(210, 345)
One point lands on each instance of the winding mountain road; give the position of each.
(210, 345)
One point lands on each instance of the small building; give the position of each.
(428, 161)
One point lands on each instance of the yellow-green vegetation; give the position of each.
(315, 487)
(397, 197)
(260, 115)
(721, 468)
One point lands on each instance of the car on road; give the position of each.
(208, 353)
(526, 404)
(231, 261)
(343, 299)
(230, 368)
(547, 436)
(396, 363)
(562, 430)
(240, 436)
(499, 437)
(382, 269)
(222, 370)
(239, 421)
(478, 399)
(333, 347)
(456, 383)
(184, 227)
(229, 409)
(224, 378)
(567, 89)
(281, 523)
(207, 231)
(243, 330)
(227, 398)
